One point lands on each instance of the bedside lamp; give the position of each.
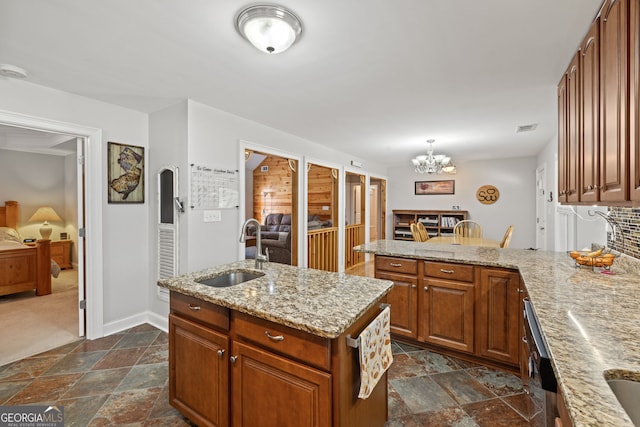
(46, 214)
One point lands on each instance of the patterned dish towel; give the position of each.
(375, 352)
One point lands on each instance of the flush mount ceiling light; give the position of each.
(433, 163)
(8, 70)
(270, 28)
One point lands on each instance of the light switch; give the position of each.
(212, 216)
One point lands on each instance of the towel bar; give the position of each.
(355, 342)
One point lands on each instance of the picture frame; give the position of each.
(423, 188)
(125, 166)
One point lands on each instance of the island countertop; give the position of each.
(590, 321)
(318, 302)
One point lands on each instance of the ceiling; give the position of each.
(375, 79)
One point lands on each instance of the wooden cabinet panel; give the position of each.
(562, 139)
(634, 101)
(589, 165)
(613, 101)
(201, 311)
(397, 265)
(573, 130)
(61, 253)
(198, 374)
(449, 271)
(403, 299)
(447, 314)
(271, 391)
(498, 311)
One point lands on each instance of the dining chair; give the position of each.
(507, 237)
(422, 232)
(467, 228)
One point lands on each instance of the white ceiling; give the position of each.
(372, 78)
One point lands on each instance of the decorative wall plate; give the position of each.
(487, 194)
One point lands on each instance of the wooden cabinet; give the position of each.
(598, 133)
(228, 368)
(61, 253)
(498, 310)
(403, 297)
(437, 222)
(263, 381)
(447, 306)
(470, 311)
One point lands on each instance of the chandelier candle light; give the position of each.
(433, 163)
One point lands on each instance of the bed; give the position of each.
(22, 268)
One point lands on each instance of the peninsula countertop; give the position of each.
(318, 302)
(590, 321)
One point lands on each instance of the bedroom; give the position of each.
(41, 177)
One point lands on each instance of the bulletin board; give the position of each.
(214, 188)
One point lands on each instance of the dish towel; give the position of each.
(375, 352)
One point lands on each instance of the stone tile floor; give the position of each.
(122, 379)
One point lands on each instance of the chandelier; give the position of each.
(433, 163)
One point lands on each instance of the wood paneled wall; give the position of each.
(322, 192)
(272, 190)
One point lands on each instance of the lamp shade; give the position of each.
(45, 214)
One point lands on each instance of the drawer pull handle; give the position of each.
(524, 340)
(447, 271)
(276, 338)
(220, 353)
(395, 264)
(194, 307)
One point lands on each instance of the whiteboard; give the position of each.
(214, 188)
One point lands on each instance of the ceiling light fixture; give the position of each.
(433, 163)
(270, 28)
(8, 70)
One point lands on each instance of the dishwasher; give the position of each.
(542, 382)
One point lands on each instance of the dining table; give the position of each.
(464, 241)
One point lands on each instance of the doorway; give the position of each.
(322, 217)
(541, 209)
(51, 320)
(377, 208)
(355, 213)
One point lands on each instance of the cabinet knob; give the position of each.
(194, 307)
(426, 288)
(276, 338)
(220, 353)
(233, 359)
(413, 286)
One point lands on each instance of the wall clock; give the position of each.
(487, 194)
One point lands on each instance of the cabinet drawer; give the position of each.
(397, 265)
(199, 310)
(57, 251)
(305, 347)
(443, 270)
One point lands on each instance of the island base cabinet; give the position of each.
(447, 314)
(403, 298)
(198, 372)
(499, 315)
(271, 391)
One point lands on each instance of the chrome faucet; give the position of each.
(260, 257)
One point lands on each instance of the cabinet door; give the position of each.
(573, 130)
(562, 139)
(498, 320)
(271, 391)
(634, 100)
(447, 314)
(613, 101)
(403, 299)
(198, 375)
(590, 115)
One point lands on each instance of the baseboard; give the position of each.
(160, 322)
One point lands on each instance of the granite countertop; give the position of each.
(319, 302)
(590, 321)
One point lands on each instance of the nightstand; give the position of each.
(61, 253)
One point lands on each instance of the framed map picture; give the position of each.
(125, 173)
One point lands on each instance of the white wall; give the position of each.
(514, 178)
(124, 242)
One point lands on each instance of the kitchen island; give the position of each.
(590, 321)
(272, 350)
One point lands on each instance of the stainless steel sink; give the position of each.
(627, 392)
(230, 278)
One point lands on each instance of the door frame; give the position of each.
(541, 208)
(93, 191)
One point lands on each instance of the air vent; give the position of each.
(527, 128)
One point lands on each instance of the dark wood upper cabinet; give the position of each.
(589, 166)
(613, 101)
(573, 129)
(634, 100)
(562, 139)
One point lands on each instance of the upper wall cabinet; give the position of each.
(598, 131)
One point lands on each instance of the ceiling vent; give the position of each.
(527, 128)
